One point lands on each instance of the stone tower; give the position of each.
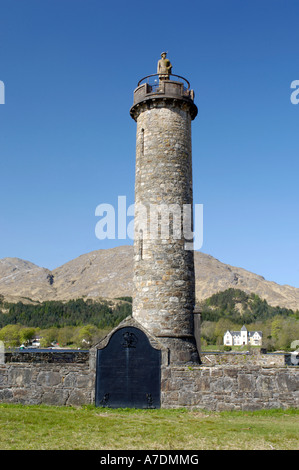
(164, 281)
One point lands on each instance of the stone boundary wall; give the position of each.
(46, 383)
(243, 359)
(215, 387)
(220, 388)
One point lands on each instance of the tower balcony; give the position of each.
(163, 87)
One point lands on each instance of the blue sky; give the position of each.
(67, 142)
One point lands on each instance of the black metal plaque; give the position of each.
(128, 371)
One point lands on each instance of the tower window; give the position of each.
(140, 244)
(142, 142)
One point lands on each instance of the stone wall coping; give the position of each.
(47, 356)
(230, 366)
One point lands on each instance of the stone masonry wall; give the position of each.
(164, 296)
(48, 356)
(46, 383)
(164, 282)
(222, 388)
(251, 359)
(242, 386)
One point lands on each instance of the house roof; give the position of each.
(238, 333)
(251, 333)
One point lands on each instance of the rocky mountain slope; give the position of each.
(108, 274)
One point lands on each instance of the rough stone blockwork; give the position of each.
(79, 357)
(221, 388)
(234, 359)
(214, 387)
(44, 383)
(164, 282)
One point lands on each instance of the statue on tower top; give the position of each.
(164, 67)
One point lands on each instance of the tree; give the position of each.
(10, 335)
(49, 336)
(84, 336)
(276, 327)
(27, 334)
(208, 332)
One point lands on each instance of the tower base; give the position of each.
(182, 350)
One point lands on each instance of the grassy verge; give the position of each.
(87, 428)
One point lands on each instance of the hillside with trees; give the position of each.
(240, 307)
(81, 323)
(59, 314)
(232, 308)
(76, 323)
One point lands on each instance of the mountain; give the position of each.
(108, 274)
(22, 280)
(212, 276)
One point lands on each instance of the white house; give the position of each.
(239, 338)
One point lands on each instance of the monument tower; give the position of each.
(164, 281)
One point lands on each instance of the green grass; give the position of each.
(68, 428)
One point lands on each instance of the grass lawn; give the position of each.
(87, 428)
